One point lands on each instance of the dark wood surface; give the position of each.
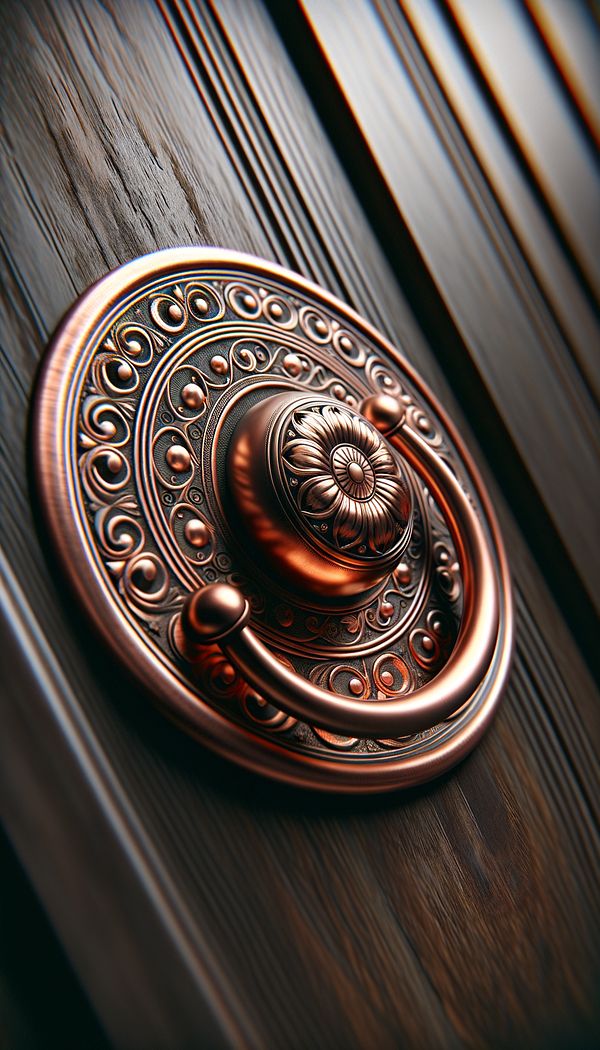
(41, 1001)
(200, 905)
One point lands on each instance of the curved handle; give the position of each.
(219, 613)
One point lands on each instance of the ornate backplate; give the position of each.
(142, 390)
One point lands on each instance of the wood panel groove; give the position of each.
(245, 30)
(494, 209)
(303, 249)
(499, 116)
(237, 143)
(569, 32)
(327, 272)
(521, 80)
(460, 86)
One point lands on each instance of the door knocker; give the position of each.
(272, 522)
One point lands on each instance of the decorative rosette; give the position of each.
(346, 480)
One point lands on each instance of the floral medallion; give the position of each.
(343, 478)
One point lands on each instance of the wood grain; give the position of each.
(570, 33)
(461, 914)
(530, 223)
(511, 58)
(41, 1002)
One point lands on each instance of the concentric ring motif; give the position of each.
(127, 410)
(353, 472)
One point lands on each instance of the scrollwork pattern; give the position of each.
(103, 420)
(161, 368)
(137, 342)
(120, 535)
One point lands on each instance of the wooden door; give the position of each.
(433, 166)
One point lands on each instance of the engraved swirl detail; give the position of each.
(340, 476)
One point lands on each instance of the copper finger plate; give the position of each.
(151, 394)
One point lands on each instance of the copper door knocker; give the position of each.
(266, 512)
